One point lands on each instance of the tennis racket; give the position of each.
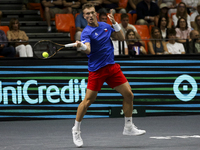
(49, 48)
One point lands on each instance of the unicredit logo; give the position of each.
(50, 92)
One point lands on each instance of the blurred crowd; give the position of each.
(174, 25)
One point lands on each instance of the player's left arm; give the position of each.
(118, 34)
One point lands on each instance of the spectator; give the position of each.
(193, 16)
(131, 6)
(171, 4)
(194, 44)
(156, 46)
(19, 39)
(162, 24)
(5, 50)
(134, 47)
(182, 30)
(125, 25)
(72, 5)
(181, 12)
(103, 17)
(111, 4)
(172, 46)
(80, 23)
(146, 12)
(120, 47)
(96, 3)
(163, 13)
(52, 7)
(191, 5)
(197, 23)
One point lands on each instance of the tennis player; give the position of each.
(96, 43)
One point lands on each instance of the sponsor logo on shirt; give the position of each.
(105, 30)
(96, 34)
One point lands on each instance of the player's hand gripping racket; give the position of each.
(45, 49)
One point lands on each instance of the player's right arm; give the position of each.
(84, 47)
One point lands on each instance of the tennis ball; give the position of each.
(45, 54)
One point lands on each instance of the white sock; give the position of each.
(77, 126)
(128, 121)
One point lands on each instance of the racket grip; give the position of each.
(70, 45)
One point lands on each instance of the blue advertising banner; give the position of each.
(53, 88)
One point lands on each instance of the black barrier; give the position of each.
(53, 88)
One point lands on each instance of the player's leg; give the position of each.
(81, 111)
(129, 128)
(83, 106)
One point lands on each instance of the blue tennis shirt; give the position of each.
(102, 51)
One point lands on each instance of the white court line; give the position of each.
(170, 137)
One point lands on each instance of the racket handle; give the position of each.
(70, 45)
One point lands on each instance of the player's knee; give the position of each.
(88, 102)
(129, 96)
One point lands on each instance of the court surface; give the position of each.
(163, 133)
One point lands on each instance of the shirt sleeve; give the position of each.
(24, 36)
(85, 38)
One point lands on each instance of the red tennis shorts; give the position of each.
(111, 74)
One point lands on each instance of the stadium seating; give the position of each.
(123, 3)
(5, 29)
(143, 31)
(134, 18)
(130, 18)
(66, 23)
(34, 6)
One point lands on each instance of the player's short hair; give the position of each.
(124, 15)
(87, 5)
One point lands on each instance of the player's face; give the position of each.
(90, 15)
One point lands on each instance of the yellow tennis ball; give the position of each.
(45, 54)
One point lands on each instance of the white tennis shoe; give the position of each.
(133, 130)
(77, 138)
